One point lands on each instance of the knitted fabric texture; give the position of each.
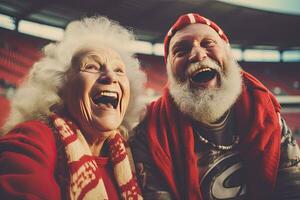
(85, 179)
(185, 20)
(171, 142)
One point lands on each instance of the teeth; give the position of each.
(109, 98)
(197, 68)
(109, 94)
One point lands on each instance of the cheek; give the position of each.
(71, 91)
(77, 91)
(221, 55)
(86, 82)
(71, 98)
(179, 67)
(228, 57)
(83, 85)
(126, 92)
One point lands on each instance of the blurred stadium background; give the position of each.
(266, 40)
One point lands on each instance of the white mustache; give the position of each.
(207, 63)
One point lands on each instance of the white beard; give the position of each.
(207, 105)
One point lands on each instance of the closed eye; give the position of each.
(180, 51)
(92, 67)
(119, 70)
(181, 48)
(208, 43)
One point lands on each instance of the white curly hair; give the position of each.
(40, 90)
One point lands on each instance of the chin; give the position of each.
(108, 126)
(105, 123)
(207, 105)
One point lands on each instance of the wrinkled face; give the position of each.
(197, 43)
(97, 92)
(204, 77)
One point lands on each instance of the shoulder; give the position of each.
(288, 180)
(28, 158)
(30, 127)
(138, 134)
(290, 152)
(138, 142)
(30, 136)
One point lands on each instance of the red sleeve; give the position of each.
(27, 163)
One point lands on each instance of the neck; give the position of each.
(218, 123)
(98, 145)
(221, 132)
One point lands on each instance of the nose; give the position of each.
(197, 54)
(107, 77)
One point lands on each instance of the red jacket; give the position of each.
(173, 153)
(33, 166)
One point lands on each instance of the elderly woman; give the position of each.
(68, 119)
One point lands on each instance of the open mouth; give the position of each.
(203, 75)
(107, 98)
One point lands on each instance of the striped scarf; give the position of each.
(85, 178)
(258, 125)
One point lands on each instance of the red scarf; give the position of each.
(173, 152)
(85, 178)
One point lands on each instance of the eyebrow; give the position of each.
(95, 57)
(102, 58)
(180, 43)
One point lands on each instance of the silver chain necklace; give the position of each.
(235, 140)
(221, 124)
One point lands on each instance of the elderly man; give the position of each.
(216, 132)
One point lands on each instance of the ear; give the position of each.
(228, 53)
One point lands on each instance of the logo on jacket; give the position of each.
(224, 179)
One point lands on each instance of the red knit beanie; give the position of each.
(185, 20)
